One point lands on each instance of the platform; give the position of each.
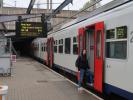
(31, 80)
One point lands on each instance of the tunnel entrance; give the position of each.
(22, 46)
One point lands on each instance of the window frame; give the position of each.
(116, 57)
(115, 39)
(75, 43)
(69, 46)
(60, 44)
(55, 45)
(42, 49)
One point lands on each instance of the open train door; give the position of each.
(50, 52)
(81, 40)
(81, 44)
(98, 56)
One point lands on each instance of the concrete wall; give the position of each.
(10, 10)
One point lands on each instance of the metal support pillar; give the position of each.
(59, 8)
(30, 6)
(47, 6)
(51, 3)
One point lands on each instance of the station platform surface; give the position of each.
(31, 80)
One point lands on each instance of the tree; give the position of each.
(89, 3)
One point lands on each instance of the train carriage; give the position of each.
(108, 39)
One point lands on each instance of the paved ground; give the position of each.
(30, 80)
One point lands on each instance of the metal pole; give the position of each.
(51, 2)
(47, 6)
(15, 3)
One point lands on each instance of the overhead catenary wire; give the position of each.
(45, 3)
(83, 10)
(8, 4)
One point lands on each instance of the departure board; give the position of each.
(121, 32)
(29, 29)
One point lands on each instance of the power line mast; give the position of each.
(47, 6)
(15, 3)
(51, 2)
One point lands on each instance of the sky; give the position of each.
(77, 4)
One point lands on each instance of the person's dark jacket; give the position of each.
(81, 63)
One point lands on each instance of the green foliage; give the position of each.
(87, 4)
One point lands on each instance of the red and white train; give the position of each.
(107, 36)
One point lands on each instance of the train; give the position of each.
(107, 35)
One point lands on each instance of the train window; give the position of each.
(61, 49)
(67, 45)
(98, 44)
(55, 49)
(60, 46)
(116, 49)
(121, 32)
(42, 48)
(55, 46)
(74, 39)
(75, 46)
(75, 49)
(61, 41)
(56, 42)
(110, 34)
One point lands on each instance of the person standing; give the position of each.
(82, 65)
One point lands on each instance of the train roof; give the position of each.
(109, 6)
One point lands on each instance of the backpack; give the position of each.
(77, 63)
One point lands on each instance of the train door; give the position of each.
(50, 54)
(81, 40)
(90, 49)
(98, 55)
(81, 43)
(91, 38)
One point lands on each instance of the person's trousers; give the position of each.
(82, 71)
(81, 77)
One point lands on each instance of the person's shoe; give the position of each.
(80, 89)
(90, 84)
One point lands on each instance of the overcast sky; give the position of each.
(77, 4)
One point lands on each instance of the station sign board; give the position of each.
(30, 29)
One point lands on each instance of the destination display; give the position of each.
(121, 32)
(29, 29)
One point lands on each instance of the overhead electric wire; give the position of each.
(8, 4)
(45, 3)
(83, 10)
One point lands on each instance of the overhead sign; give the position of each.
(29, 29)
